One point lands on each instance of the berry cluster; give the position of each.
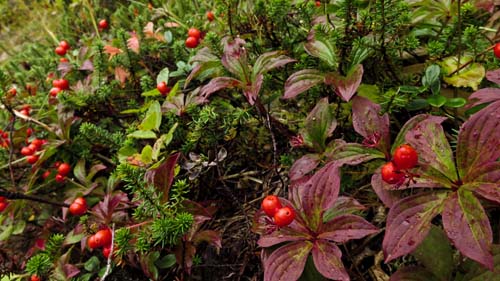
(63, 48)
(404, 158)
(30, 150)
(194, 38)
(4, 139)
(282, 216)
(78, 207)
(58, 85)
(101, 238)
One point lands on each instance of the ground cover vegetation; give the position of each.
(250, 140)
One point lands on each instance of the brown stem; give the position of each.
(21, 196)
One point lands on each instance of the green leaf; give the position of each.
(151, 93)
(470, 76)
(455, 102)
(92, 264)
(168, 36)
(79, 171)
(322, 50)
(72, 238)
(166, 262)
(152, 121)
(139, 134)
(7, 231)
(147, 154)
(431, 75)
(19, 227)
(436, 100)
(417, 104)
(319, 125)
(163, 76)
(436, 254)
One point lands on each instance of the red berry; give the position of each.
(57, 164)
(32, 159)
(62, 83)
(191, 42)
(106, 251)
(54, 91)
(78, 207)
(318, 3)
(26, 151)
(210, 16)
(103, 237)
(63, 60)
(391, 175)
(12, 92)
(25, 111)
(163, 88)
(194, 32)
(64, 44)
(29, 131)
(3, 206)
(496, 50)
(45, 174)
(64, 169)
(103, 24)
(61, 51)
(405, 157)
(284, 216)
(270, 205)
(91, 241)
(37, 143)
(2, 199)
(35, 277)
(60, 178)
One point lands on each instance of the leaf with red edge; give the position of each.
(319, 125)
(343, 205)
(284, 234)
(205, 63)
(321, 49)
(287, 262)
(303, 166)
(467, 226)
(252, 89)
(479, 139)
(410, 124)
(367, 122)
(354, 154)
(217, 84)
(484, 95)
(302, 81)
(235, 58)
(493, 76)
(163, 176)
(320, 193)
(409, 221)
(381, 188)
(434, 151)
(413, 273)
(346, 227)
(327, 259)
(484, 181)
(269, 61)
(346, 86)
(133, 43)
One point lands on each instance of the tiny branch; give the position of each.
(21, 196)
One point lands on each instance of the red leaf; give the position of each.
(285, 234)
(409, 221)
(269, 61)
(467, 225)
(368, 123)
(133, 43)
(112, 51)
(252, 89)
(484, 95)
(346, 86)
(287, 262)
(493, 76)
(353, 154)
(301, 81)
(217, 84)
(410, 124)
(320, 193)
(319, 125)
(381, 188)
(479, 139)
(121, 74)
(434, 152)
(303, 166)
(346, 227)
(485, 181)
(163, 176)
(235, 58)
(327, 259)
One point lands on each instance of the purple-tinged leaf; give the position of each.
(346, 227)
(235, 58)
(367, 122)
(354, 154)
(321, 49)
(484, 95)
(468, 227)
(346, 86)
(285, 234)
(479, 139)
(436, 253)
(252, 89)
(319, 125)
(205, 63)
(409, 221)
(87, 65)
(269, 61)
(64, 68)
(320, 193)
(413, 273)
(295, 188)
(327, 259)
(302, 81)
(343, 205)
(217, 84)
(433, 149)
(287, 262)
(381, 188)
(410, 124)
(303, 166)
(479, 273)
(493, 76)
(163, 176)
(485, 181)
(488, 191)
